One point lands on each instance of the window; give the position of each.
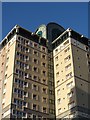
(69, 75)
(56, 50)
(70, 94)
(88, 63)
(9, 43)
(39, 79)
(35, 61)
(34, 87)
(26, 58)
(88, 56)
(18, 38)
(65, 43)
(67, 58)
(58, 82)
(34, 97)
(43, 56)
(56, 58)
(35, 69)
(57, 65)
(68, 67)
(34, 117)
(25, 84)
(57, 74)
(71, 105)
(26, 66)
(27, 50)
(6, 67)
(44, 90)
(44, 81)
(34, 106)
(7, 59)
(25, 94)
(58, 91)
(31, 43)
(3, 63)
(58, 100)
(35, 77)
(59, 110)
(87, 48)
(70, 84)
(17, 62)
(24, 114)
(8, 50)
(43, 49)
(30, 76)
(15, 101)
(44, 73)
(72, 115)
(44, 64)
(15, 90)
(5, 76)
(44, 100)
(67, 50)
(27, 42)
(35, 53)
(26, 75)
(23, 49)
(18, 54)
(44, 109)
(35, 45)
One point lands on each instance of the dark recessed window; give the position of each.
(35, 69)
(43, 56)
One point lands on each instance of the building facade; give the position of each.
(45, 74)
(24, 76)
(71, 56)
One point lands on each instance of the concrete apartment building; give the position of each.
(45, 74)
(24, 76)
(71, 56)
